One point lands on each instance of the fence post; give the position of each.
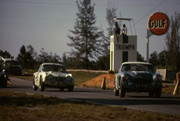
(176, 89)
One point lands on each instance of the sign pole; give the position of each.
(147, 51)
(149, 33)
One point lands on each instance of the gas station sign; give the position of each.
(158, 23)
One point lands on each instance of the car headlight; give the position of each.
(5, 76)
(157, 77)
(69, 78)
(126, 76)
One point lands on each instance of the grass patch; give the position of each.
(81, 76)
(23, 107)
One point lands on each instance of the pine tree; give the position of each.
(22, 57)
(86, 40)
(173, 43)
(25, 57)
(110, 15)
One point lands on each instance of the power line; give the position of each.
(38, 2)
(147, 14)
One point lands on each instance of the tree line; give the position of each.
(170, 58)
(28, 58)
(90, 46)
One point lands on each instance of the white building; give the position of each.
(123, 48)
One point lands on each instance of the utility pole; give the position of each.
(149, 33)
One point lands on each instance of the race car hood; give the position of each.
(140, 74)
(58, 74)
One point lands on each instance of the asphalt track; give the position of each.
(168, 104)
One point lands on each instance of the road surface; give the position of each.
(168, 104)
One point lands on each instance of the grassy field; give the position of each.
(23, 107)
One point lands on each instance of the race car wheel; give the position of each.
(34, 86)
(122, 91)
(71, 88)
(116, 92)
(42, 87)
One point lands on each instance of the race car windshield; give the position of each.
(54, 68)
(137, 67)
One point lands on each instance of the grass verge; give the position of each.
(81, 77)
(23, 107)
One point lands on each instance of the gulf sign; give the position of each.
(158, 23)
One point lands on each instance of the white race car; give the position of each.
(52, 75)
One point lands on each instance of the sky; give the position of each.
(46, 23)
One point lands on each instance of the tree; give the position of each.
(22, 57)
(25, 57)
(45, 57)
(103, 61)
(173, 43)
(86, 39)
(5, 54)
(64, 60)
(154, 58)
(162, 58)
(110, 15)
(139, 57)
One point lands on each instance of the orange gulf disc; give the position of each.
(158, 23)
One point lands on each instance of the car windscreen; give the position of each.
(137, 67)
(54, 68)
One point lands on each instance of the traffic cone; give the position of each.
(103, 85)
